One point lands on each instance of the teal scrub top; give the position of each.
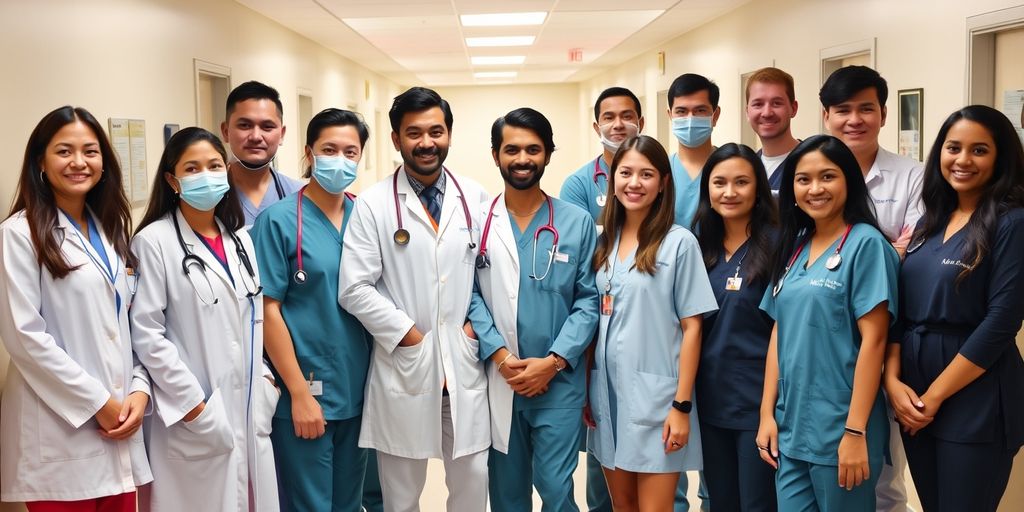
(556, 314)
(687, 192)
(329, 342)
(636, 362)
(582, 190)
(816, 312)
(281, 187)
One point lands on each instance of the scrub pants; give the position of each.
(958, 476)
(402, 479)
(736, 477)
(805, 487)
(373, 498)
(542, 453)
(118, 503)
(325, 473)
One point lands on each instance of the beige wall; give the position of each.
(476, 108)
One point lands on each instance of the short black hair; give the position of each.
(253, 90)
(418, 99)
(690, 83)
(529, 119)
(844, 83)
(612, 92)
(336, 117)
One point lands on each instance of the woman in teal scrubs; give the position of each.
(320, 352)
(654, 293)
(833, 297)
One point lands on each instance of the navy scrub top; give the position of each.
(730, 378)
(978, 318)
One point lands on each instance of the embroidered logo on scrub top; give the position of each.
(891, 200)
(947, 261)
(826, 283)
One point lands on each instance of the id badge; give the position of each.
(316, 387)
(606, 304)
(733, 284)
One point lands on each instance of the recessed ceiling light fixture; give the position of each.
(503, 20)
(486, 60)
(495, 74)
(478, 42)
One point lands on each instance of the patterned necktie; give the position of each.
(430, 199)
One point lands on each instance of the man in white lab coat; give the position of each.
(407, 274)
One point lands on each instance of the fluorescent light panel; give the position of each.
(503, 20)
(497, 60)
(477, 42)
(495, 74)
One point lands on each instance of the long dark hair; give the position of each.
(1005, 190)
(858, 209)
(163, 199)
(659, 219)
(107, 199)
(710, 228)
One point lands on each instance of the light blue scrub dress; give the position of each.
(581, 190)
(557, 314)
(816, 312)
(636, 365)
(687, 192)
(324, 473)
(288, 186)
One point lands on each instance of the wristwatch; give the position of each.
(684, 407)
(560, 363)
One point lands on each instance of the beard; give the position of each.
(522, 182)
(409, 158)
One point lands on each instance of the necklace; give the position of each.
(514, 214)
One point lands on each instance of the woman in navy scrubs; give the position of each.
(735, 226)
(823, 423)
(955, 377)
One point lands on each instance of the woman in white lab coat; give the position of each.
(75, 397)
(197, 327)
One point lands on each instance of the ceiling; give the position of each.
(424, 42)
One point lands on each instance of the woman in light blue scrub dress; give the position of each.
(736, 226)
(955, 375)
(318, 351)
(833, 296)
(654, 293)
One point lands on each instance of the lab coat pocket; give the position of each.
(474, 377)
(410, 367)
(268, 405)
(208, 435)
(59, 441)
(650, 398)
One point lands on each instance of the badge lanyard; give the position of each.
(106, 269)
(607, 299)
(734, 283)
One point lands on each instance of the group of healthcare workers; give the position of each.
(678, 310)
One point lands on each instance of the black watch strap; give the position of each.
(685, 406)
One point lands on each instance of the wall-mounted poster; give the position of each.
(1013, 107)
(910, 121)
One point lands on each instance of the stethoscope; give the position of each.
(300, 275)
(484, 261)
(602, 197)
(831, 263)
(191, 260)
(401, 235)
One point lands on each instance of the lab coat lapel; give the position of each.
(199, 249)
(451, 207)
(501, 226)
(412, 203)
(70, 234)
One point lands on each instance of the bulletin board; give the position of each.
(128, 137)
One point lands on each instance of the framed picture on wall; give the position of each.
(911, 103)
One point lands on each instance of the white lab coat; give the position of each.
(70, 352)
(500, 285)
(195, 352)
(427, 283)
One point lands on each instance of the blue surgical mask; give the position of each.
(334, 173)
(692, 131)
(204, 190)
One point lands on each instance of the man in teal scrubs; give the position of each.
(693, 108)
(535, 314)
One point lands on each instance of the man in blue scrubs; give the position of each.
(617, 116)
(693, 108)
(254, 128)
(535, 314)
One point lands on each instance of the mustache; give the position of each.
(523, 167)
(426, 152)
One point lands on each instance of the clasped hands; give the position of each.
(120, 420)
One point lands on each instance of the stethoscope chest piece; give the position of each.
(483, 261)
(601, 200)
(833, 261)
(401, 236)
(300, 276)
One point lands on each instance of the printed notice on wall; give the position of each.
(137, 132)
(120, 139)
(1013, 107)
